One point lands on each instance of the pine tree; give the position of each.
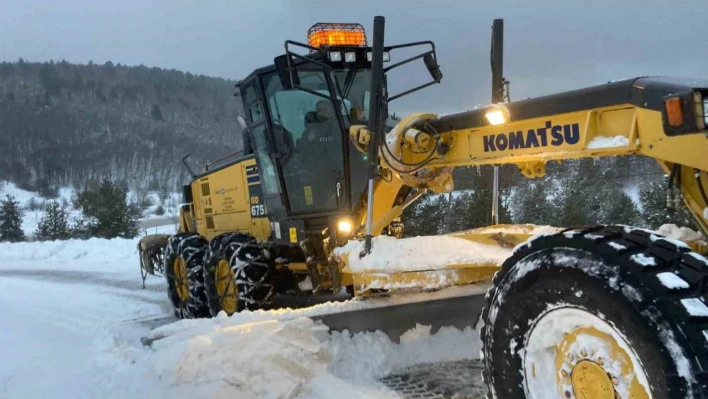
(107, 211)
(620, 209)
(426, 217)
(79, 229)
(11, 220)
(655, 213)
(54, 224)
(532, 205)
(156, 113)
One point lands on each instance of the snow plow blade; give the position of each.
(460, 312)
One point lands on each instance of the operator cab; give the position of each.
(298, 113)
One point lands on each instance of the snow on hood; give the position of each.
(419, 253)
(608, 142)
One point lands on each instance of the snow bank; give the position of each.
(73, 254)
(420, 253)
(68, 251)
(297, 358)
(608, 142)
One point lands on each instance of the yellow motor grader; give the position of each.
(587, 312)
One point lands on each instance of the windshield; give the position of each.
(354, 85)
(290, 108)
(311, 140)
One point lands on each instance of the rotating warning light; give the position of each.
(330, 35)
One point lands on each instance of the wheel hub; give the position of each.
(225, 287)
(181, 284)
(575, 354)
(590, 381)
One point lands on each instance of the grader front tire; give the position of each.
(184, 271)
(605, 312)
(239, 274)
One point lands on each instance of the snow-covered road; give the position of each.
(72, 315)
(62, 306)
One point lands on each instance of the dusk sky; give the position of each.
(550, 46)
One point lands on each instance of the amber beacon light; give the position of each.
(331, 35)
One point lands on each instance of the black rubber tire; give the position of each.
(191, 248)
(254, 271)
(592, 268)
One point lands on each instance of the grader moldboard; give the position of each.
(588, 312)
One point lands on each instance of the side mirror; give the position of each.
(433, 67)
(242, 122)
(287, 80)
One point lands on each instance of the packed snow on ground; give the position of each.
(420, 253)
(608, 142)
(74, 312)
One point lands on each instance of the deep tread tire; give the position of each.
(551, 270)
(191, 248)
(253, 270)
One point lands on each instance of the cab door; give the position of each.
(310, 148)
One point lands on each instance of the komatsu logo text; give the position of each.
(554, 135)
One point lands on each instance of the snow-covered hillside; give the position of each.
(32, 204)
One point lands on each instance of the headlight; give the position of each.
(335, 56)
(344, 226)
(349, 56)
(497, 115)
(386, 56)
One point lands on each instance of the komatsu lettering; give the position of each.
(555, 135)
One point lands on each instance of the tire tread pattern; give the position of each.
(607, 242)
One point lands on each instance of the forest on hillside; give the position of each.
(627, 190)
(64, 124)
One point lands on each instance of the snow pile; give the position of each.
(679, 233)
(370, 356)
(420, 253)
(269, 359)
(608, 142)
(297, 358)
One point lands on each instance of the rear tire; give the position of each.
(598, 272)
(251, 273)
(186, 251)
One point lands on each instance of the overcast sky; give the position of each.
(550, 45)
